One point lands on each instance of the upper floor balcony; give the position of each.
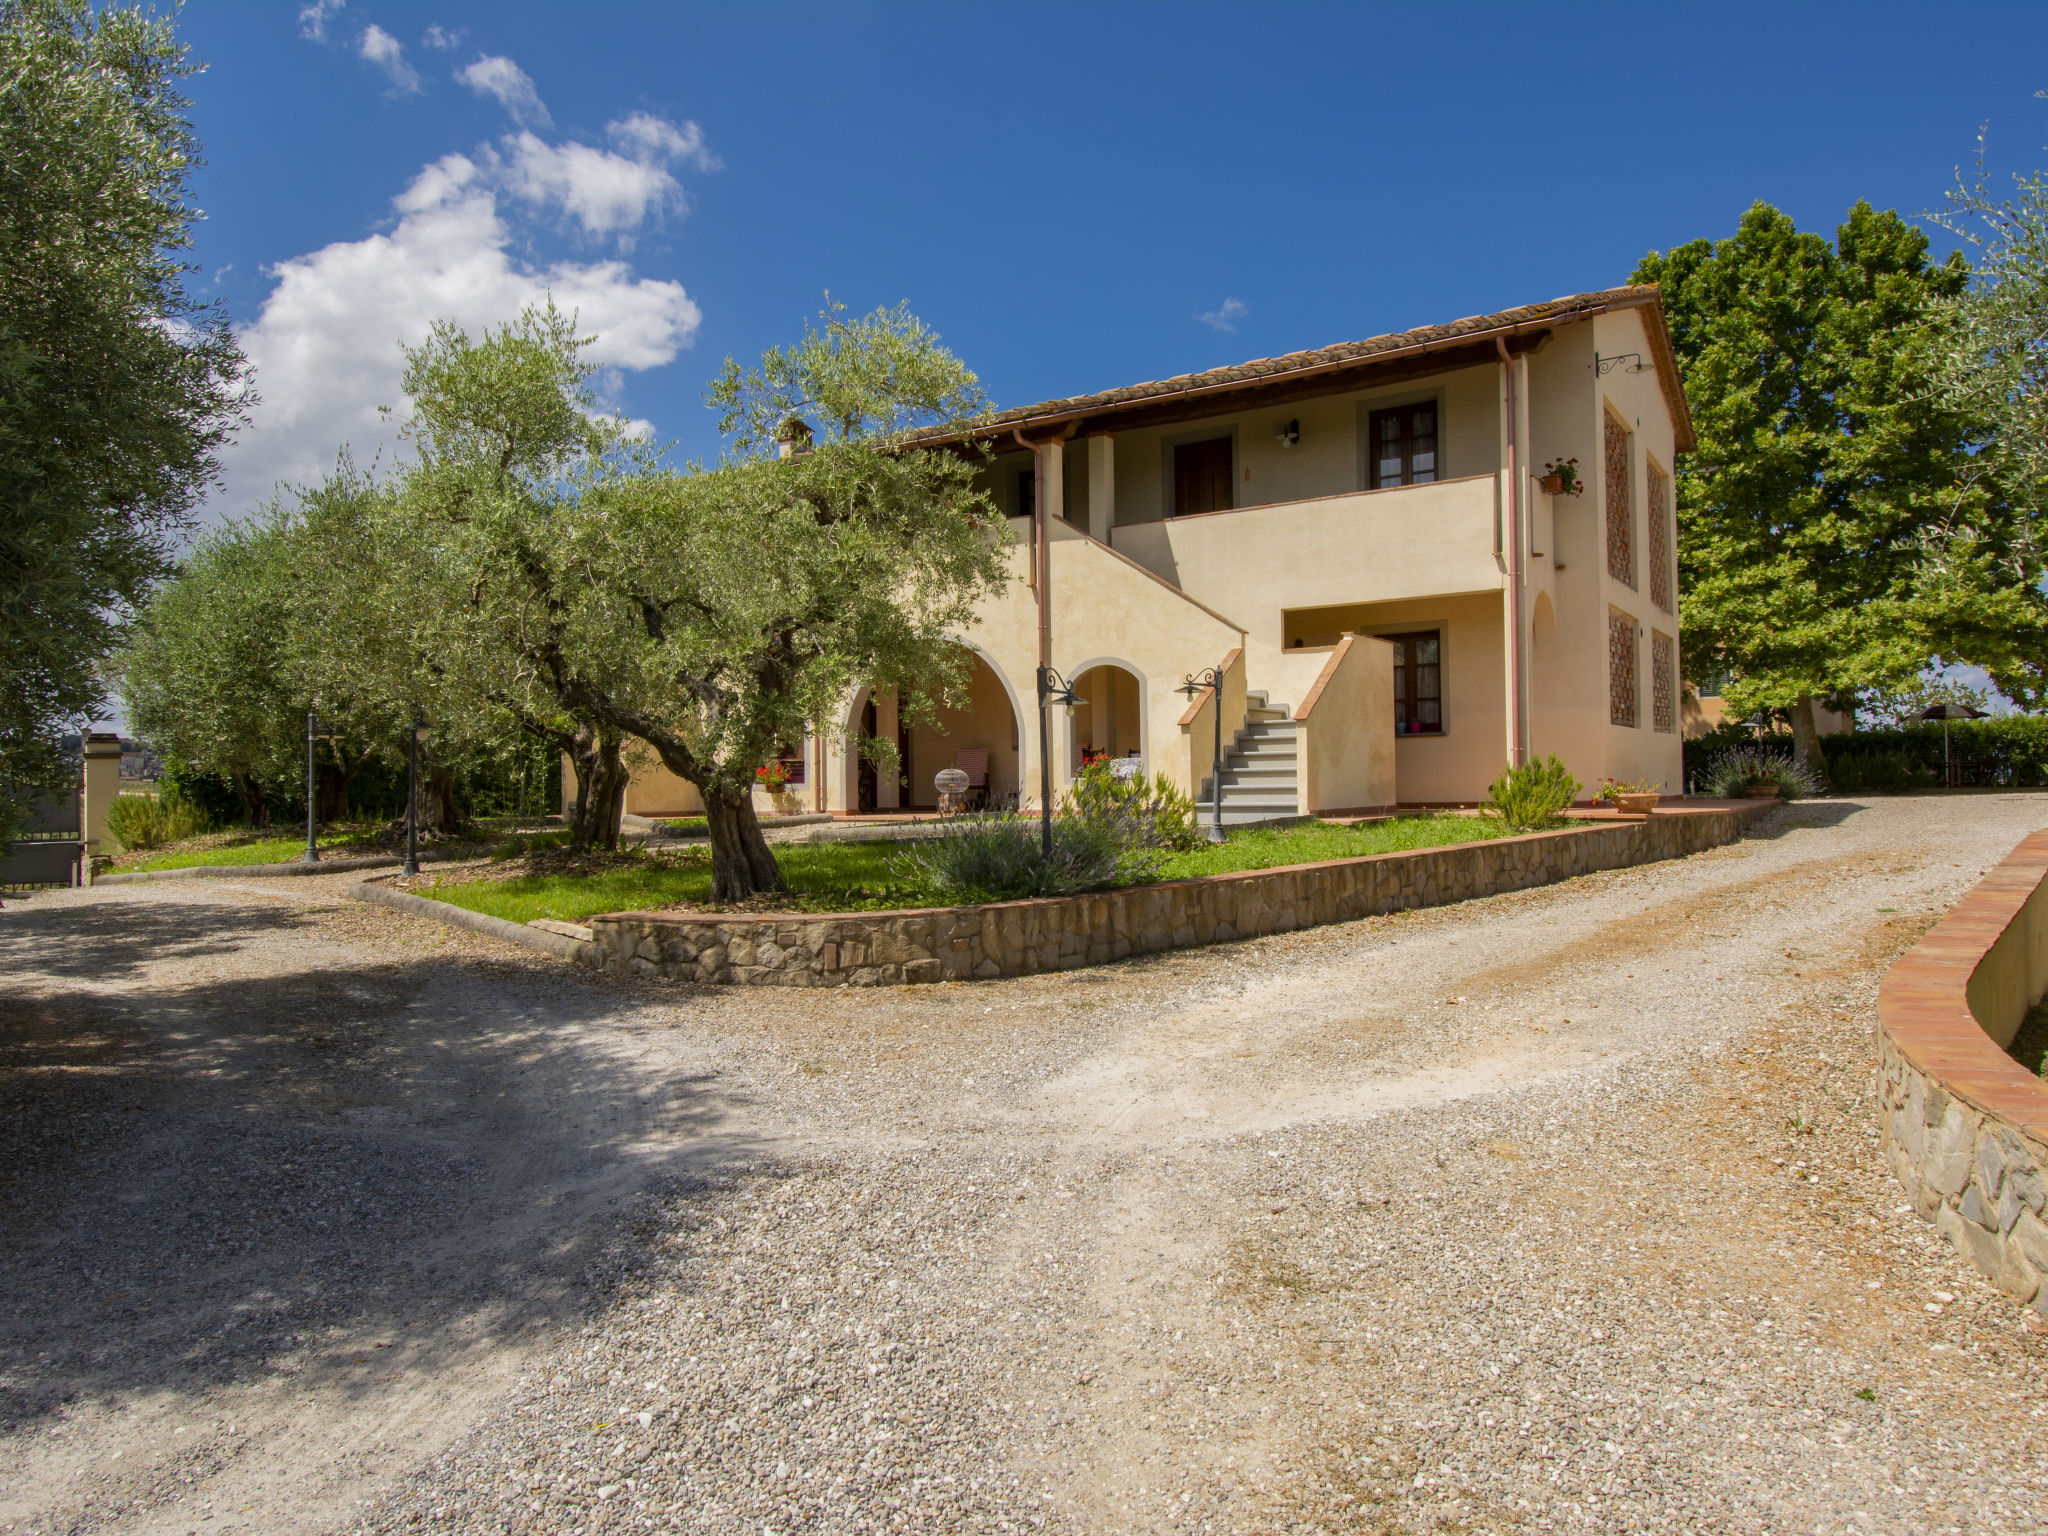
(1365, 546)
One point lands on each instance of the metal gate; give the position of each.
(50, 848)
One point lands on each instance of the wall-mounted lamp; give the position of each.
(1628, 362)
(1289, 433)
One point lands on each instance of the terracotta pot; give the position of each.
(1762, 791)
(1553, 485)
(1637, 805)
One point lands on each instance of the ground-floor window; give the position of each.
(1663, 682)
(1621, 668)
(1418, 683)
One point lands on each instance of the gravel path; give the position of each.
(1560, 1211)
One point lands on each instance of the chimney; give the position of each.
(792, 437)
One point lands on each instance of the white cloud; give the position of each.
(388, 54)
(325, 347)
(438, 36)
(607, 194)
(647, 137)
(498, 77)
(1226, 315)
(313, 18)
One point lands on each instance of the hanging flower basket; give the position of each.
(1561, 478)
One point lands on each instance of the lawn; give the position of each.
(850, 877)
(247, 850)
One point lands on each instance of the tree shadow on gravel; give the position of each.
(114, 941)
(1795, 814)
(326, 1173)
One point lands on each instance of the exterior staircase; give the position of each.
(1259, 783)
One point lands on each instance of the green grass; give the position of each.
(1319, 840)
(826, 877)
(266, 850)
(683, 826)
(851, 877)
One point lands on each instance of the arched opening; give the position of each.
(979, 736)
(1109, 722)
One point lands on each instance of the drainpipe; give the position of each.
(1041, 584)
(1518, 733)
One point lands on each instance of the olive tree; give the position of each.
(709, 612)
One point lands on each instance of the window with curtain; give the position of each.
(1418, 683)
(1404, 447)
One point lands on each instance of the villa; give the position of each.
(1409, 561)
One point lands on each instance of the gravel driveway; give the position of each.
(1559, 1211)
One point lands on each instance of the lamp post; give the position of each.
(1052, 689)
(412, 797)
(312, 854)
(1212, 679)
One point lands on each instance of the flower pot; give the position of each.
(1553, 485)
(1761, 791)
(1638, 805)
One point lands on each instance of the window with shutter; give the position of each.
(1663, 682)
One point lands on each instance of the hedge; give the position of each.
(2006, 751)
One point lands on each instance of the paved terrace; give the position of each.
(1558, 1211)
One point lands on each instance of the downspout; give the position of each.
(1041, 583)
(1518, 735)
(1039, 567)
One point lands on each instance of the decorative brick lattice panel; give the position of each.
(1660, 537)
(1621, 516)
(1621, 668)
(1663, 683)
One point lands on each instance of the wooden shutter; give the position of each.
(1621, 512)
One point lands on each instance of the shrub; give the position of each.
(1155, 812)
(1730, 772)
(149, 821)
(997, 858)
(1890, 771)
(1532, 795)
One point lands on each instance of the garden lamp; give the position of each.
(313, 734)
(1052, 689)
(1211, 679)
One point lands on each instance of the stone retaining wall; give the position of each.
(1965, 1126)
(1020, 937)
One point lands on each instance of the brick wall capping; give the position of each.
(1923, 1006)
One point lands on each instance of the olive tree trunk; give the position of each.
(742, 865)
(593, 816)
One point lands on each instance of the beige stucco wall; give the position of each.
(1457, 765)
(1345, 753)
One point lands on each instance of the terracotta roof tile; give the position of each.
(1578, 306)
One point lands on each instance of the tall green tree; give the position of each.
(117, 386)
(1825, 462)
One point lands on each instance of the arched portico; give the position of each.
(1110, 720)
(981, 734)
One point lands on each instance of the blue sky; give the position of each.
(1076, 196)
